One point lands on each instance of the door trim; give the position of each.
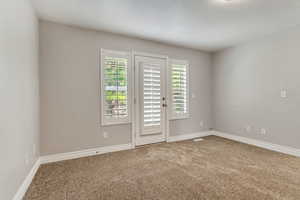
(133, 94)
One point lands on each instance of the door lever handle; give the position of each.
(164, 105)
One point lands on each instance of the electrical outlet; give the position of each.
(201, 124)
(105, 134)
(34, 150)
(26, 159)
(283, 94)
(248, 129)
(263, 131)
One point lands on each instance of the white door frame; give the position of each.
(133, 97)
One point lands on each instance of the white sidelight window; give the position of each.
(115, 87)
(179, 89)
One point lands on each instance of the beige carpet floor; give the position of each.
(215, 168)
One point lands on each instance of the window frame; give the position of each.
(119, 54)
(177, 116)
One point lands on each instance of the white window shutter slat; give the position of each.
(152, 97)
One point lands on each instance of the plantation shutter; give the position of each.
(151, 79)
(115, 89)
(180, 93)
(151, 95)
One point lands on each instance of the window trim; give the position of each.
(122, 54)
(174, 116)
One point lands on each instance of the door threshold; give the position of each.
(152, 144)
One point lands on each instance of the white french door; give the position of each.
(150, 100)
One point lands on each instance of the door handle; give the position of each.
(164, 105)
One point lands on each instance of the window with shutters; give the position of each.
(115, 87)
(179, 91)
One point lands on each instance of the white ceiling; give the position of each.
(201, 24)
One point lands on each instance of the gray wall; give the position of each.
(19, 96)
(70, 88)
(247, 84)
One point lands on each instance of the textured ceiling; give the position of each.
(201, 24)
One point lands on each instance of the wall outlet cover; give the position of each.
(248, 129)
(105, 134)
(34, 150)
(26, 159)
(201, 124)
(283, 94)
(263, 131)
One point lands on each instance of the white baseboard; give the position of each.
(108, 149)
(95, 151)
(84, 153)
(64, 156)
(26, 183)
(262, 144)
(188, 136)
